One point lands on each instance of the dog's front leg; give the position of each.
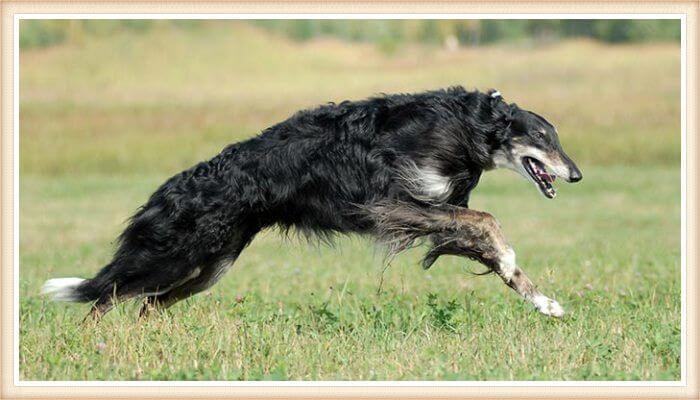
(477, 235)
(462, 232)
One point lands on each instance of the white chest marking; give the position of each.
(433, 184)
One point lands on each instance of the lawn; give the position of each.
(106, 120)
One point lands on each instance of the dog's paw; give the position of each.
(547, 306)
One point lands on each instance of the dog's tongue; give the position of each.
(546, 177)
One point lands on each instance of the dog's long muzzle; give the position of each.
(562, 166)
(574, 173)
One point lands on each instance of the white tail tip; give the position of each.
(62, 289)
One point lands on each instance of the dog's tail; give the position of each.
(63, 289)
(75, 289)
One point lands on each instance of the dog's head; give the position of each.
(529, 145)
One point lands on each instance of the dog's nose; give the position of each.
(575, 176)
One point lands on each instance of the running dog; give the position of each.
(397, 167)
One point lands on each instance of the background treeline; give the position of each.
(475, 32)
(388, 34)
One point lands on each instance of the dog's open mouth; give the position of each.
(539, 174)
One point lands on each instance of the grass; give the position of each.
(291, 311)
(104, 121)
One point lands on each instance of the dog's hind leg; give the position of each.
(462, 232)
(100, 308)
(206, 276)
(160, 302)
(209, 275)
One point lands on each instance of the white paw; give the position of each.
(547, 306)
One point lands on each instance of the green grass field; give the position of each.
(105, 120)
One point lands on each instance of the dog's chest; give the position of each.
(429, 184)
(433, 184)
(462, 186)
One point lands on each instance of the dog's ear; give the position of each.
(512, 118)
(494, 96)
(505, 113)
(499, 107)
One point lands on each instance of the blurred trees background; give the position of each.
(387, 34)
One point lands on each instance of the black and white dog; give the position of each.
(399, 167)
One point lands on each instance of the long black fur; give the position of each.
(318, 171)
